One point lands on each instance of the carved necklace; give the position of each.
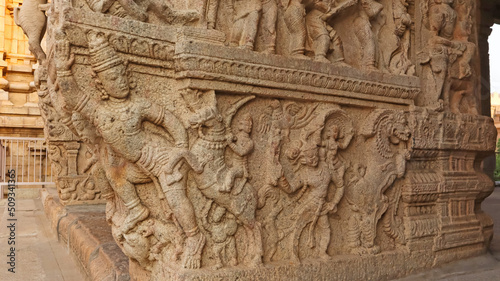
(214, 142)
(119, 107)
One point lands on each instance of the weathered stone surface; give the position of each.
(246, 140)
(87, 235)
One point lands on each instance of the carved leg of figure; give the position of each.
(368, 232)
(471, 104)
(272, 239)
(218, 249)
(231, 251)
(295, 22)
(127, 193)
(253, 231)
(456, 100)
(213, 7)
(232, 174)
(354, 233)
(236, 32)
(183, 210)
(268, 26)
(137, 212)
(364, 34)
(320, 46)
(439, 66)
(337, 48)
(106, 190)
(323, 230)
(250, 30)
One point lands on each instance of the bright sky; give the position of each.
(494, 41)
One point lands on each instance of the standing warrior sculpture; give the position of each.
(118, 118)
(245, 23)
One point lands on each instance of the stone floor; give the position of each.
(40, 256)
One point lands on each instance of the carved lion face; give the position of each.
(399, 129)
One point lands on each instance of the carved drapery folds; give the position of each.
(227, 135)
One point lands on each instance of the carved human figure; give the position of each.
(329, 150)
(462, 92)
(246, 14)
(440, 18)
(321, 37)
(118, 119)
(295, 21)
(318, 37)
(316, 167)
(278, 123)
(267, 25)
(222, 227)
(241, 145)
(314, 177)
(366, 12)
(67, 189)
(211, 16)
(271, 205)
(386, 140)
(210, 148)
(400, 62)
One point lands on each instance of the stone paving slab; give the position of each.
(87, 235)
(38, 255)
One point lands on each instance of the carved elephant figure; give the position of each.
(31, 18)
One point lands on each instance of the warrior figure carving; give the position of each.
(387, 134)
(118, 118)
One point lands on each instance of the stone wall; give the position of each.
(263, 140)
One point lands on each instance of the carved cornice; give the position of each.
(200, 54)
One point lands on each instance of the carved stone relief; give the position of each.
(254, 138)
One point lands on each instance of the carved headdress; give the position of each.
(102, 55)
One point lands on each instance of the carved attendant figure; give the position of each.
(315, 170)
(387, 134)
(314, 177)
(245, 23)
(367, 11)
(210, 148)
(294, 17)
(440, 20)
(242, 147)
(118, 119)
(222, 227)
(321, 36)
(267, 27)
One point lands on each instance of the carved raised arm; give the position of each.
(74, 98)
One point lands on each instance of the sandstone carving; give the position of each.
(246, 16)
(387, 135)
(31, 18)
(271, 139)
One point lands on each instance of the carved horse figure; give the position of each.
(386, 133)
(210, 149)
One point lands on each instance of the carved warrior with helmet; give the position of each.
(118, 118)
